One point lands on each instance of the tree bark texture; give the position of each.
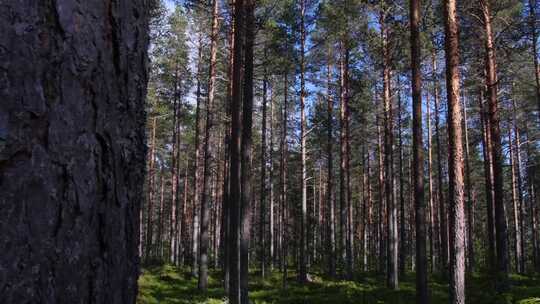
(72, 153)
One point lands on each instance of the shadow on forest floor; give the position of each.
(167, 284)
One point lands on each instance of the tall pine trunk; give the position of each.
(496, 150)
(455, 157)
(422, 292)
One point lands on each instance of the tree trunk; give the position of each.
(263, 176)
(391, 212)
(443, 223)
(329, 185)
(302, 275)
(197, 173)
(150, 199)
(283, 169)
(534, 38)
(234, 199)
(470, 194)
(422, 292)
(246, 150)
(455, 157)
(432, 218)
(496, 151)
(72, 161)
(517, 143)
(517, 231)
(206, 194)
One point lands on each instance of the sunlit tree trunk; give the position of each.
(455, 157)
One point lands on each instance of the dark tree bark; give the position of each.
(422, 292)
(234, 196)
(246, 150)
(455, 157)
(496, 150)
(206, 195)
(72, 159)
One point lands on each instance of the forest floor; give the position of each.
(167, 284)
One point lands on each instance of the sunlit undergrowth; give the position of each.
(167, 284)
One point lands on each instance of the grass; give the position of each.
(167, 284)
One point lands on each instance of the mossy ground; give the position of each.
(167, 284)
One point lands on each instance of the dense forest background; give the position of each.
(313, 119)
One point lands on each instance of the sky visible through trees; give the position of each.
(347, 140)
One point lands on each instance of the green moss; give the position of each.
(167, 284)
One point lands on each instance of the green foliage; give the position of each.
(168, 284)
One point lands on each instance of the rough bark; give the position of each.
(422, 292)
(246, 150)
(234, 197)
(496, 150)
(455, 157)
(73, 157)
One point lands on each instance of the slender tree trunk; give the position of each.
(227, 215)
(518, 166)
(488, 176)
(234, 199)
(403, 250)
(271, 183)
(517, 231)
(534, 38)
(302, 275)
(432, 222)
(283, 169)
(496, 151)
(206, 192)
(196, 192)
(331, 247)
(380, 221)
(263, 176)
(422, 291)
(150, 198)
(391, 212)
(443, 224)
(470, 195)
(455, 157)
